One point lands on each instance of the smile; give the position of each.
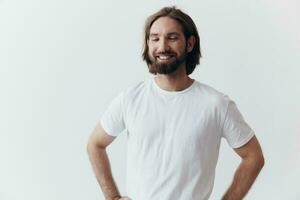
(165, 57)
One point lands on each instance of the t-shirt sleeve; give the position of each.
(235, 129)
(112, 120)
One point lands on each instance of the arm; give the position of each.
(96, 148)
(248, 170)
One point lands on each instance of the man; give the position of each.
(174, 124)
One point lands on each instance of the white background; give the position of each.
(63, 61)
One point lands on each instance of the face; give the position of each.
(167, 46)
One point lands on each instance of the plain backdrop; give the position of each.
(63, 61)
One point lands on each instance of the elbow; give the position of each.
(90, 147)
(257, 161)
(261, 161)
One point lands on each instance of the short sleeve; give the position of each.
(112, 120)
(235, 129)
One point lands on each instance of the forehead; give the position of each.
(165, 25)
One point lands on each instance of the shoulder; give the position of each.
(214, 96)
(135, 89)
(133, 92)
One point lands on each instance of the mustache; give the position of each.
(166, 53)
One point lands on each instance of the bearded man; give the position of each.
(174, 124)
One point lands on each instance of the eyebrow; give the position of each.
(169, 34)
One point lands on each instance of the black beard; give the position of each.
(165, 67)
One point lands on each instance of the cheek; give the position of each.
(178, 46)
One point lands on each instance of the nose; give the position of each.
(163, 45)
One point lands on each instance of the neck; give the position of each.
(176, 81)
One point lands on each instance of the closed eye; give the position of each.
(173, 38)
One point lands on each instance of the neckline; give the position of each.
(171, 93)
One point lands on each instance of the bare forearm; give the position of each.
(244, 177)
(101, 166)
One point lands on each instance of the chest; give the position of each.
(176, 123)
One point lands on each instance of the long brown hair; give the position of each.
(189, 29)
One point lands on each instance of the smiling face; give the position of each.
(167, 46)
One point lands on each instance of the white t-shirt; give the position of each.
(174, 138)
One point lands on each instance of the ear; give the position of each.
(190, 43)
